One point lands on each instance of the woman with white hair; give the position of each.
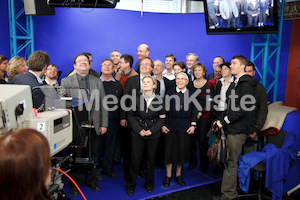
(180, 123)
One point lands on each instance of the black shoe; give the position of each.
(180, 181)
(110, 174)
(142, 173)
(74, 192)
(167, 182)
(129, 191)
(98, 177)
(192, 166)
(149, 188)
(94, 187)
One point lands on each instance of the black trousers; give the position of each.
(203, 126)
(125, 152)
(138, 147)
(89, 170)
(107, 144)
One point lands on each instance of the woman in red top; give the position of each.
(204, 116)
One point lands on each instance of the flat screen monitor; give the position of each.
(241, 16)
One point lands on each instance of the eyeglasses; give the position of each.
(83, 61)
(147, 64)
(106, 65)
(190, 60)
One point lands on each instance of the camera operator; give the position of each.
(25, 165)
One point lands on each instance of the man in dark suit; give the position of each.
(38, 62)
(82, 78)
(217, 60)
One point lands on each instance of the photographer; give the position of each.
(25, 165)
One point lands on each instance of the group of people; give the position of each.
(160, 124)
(239, 13)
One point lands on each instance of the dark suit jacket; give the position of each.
(133, 83)
(143, 119)
(169, 84)
(100, 116)
(29, 79)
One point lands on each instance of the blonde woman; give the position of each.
(16, 65)
(146, 122)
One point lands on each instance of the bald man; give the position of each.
(142, 52)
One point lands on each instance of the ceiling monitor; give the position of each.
(241, 16)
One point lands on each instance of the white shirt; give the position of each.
(222, 103)
(170, 76)
(183, 91)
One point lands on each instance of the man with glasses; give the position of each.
(51, 76)
(82, 78)
(142, 52)
(217, 61)
(91, 71)
(191, 59)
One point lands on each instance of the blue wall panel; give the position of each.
(100, 31)
(4, 29)
(72, 31)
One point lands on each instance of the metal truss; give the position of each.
(20, 29)
(266, 49)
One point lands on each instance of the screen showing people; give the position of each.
(235, 14)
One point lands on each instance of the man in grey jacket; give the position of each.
(82, 78)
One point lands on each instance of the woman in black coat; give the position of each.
(180, 123)
(146, 122)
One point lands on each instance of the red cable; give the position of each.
(69, 177)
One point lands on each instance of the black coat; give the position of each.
(241, 121)
(147, 119)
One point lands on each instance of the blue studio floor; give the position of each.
(115, 188)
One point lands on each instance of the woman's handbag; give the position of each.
(218, 150)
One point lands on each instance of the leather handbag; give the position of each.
(218, 150)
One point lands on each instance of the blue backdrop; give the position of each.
(100, 31)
